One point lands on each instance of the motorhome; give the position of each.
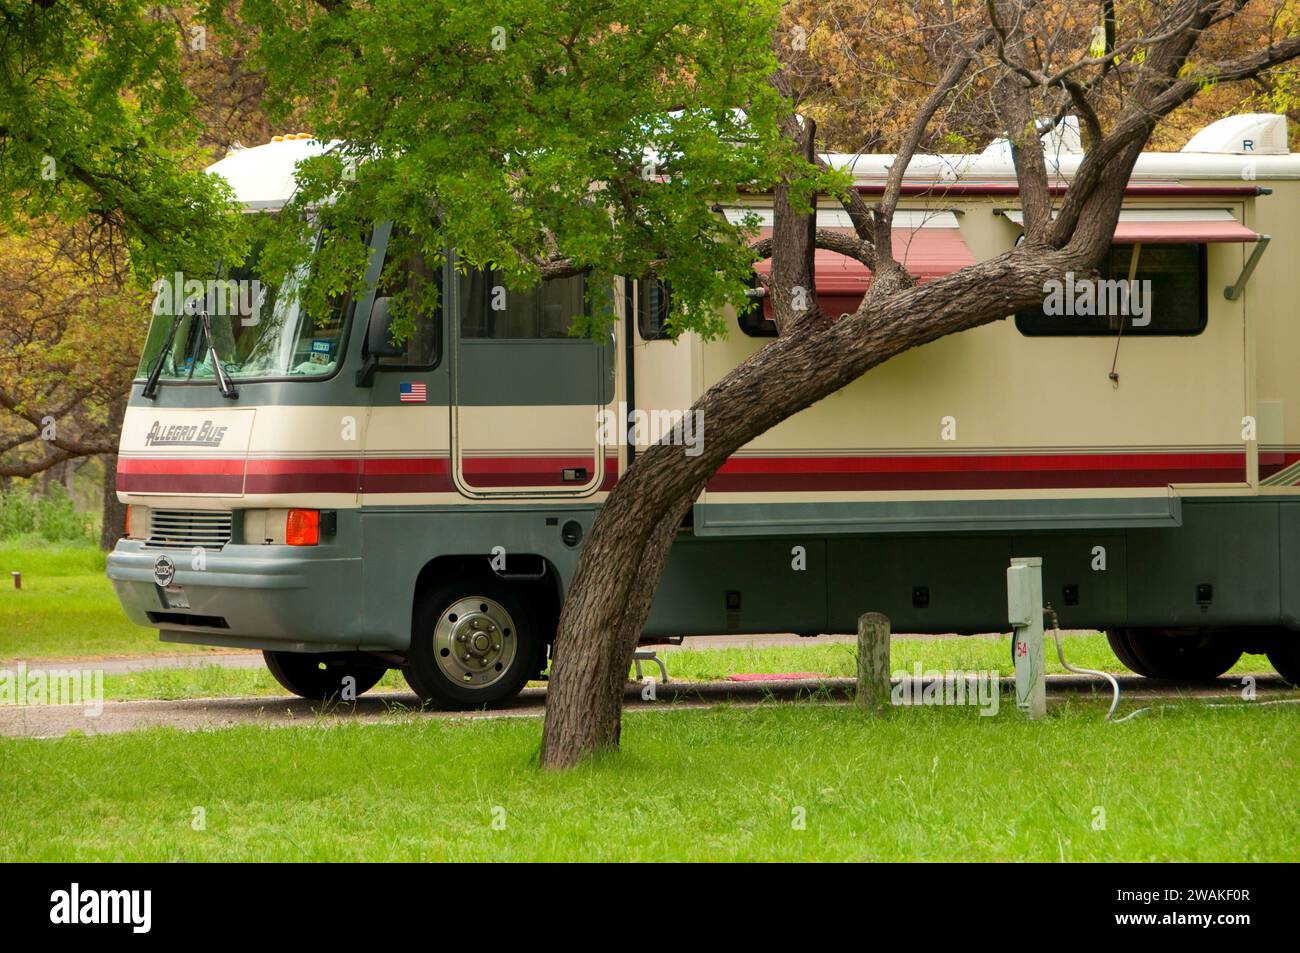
(347, 505)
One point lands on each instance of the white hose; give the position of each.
(1114, 684)
(1060, 654)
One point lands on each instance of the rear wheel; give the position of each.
(1284, 653)
(322, 676)
(1193, 655)
(476, 642)
(1119, 644)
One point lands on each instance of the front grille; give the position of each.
(209, 529)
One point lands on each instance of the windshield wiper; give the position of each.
(219, 372)
(155, 372)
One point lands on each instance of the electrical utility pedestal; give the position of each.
(1025, 612)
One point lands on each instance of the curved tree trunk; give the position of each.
(606, 607)
(625, 553)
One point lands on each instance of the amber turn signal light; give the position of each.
(302, 528)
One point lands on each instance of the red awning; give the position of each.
(1172, 226)
(928, 251)
(1182, 233)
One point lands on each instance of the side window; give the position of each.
(407, 272)
(490, 310)
(1168, 297)
(653, 307)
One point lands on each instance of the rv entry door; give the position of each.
(526, 395)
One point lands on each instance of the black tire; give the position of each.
(321, 676)
(1284, 654)
(1187, 655)
(1119, 644)
(475, 643)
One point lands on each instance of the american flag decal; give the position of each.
(412, 393)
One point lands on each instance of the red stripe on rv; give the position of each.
(742, 474)
(408, 475)
(345, 475)
(208, 475)
(303, 476)
(209, 465)
(1274, 461)
(495, 472)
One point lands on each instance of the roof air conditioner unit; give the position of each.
(1262, 134)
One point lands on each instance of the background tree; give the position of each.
(108, 112)
(857, 64)
(542, 140)
(68, 344)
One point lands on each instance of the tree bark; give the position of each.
(114, 511)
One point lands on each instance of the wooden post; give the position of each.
(873, 662)
(18, 580)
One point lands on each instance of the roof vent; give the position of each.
(1262, 134)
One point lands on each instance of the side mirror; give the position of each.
(379, 340)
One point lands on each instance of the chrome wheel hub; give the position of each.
(474, 642)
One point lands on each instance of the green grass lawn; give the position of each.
(1182, 783)
(831, 660)
(839, 659)
(66, 608)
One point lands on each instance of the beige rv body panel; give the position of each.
(996, 391)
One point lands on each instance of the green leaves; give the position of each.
(96, 123)
(603, 134)
(600, 133)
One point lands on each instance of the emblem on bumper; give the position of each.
(164, 570)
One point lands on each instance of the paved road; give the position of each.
(388, 707)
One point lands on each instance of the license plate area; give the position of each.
(173, 597)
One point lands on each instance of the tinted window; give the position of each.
(418, 282)
(1169, 299)
(653, 308)
(491, 310)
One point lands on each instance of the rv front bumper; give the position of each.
(294, 598)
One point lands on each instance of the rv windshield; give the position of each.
(260, 327)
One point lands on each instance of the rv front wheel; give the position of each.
(321, 677)
(474, 643)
